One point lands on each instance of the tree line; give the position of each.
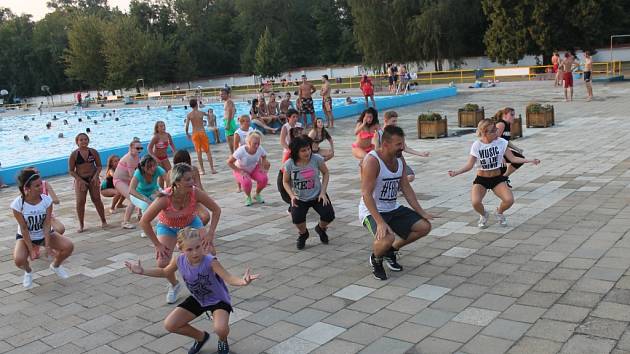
(86, 44)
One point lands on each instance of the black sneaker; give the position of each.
(390, 260)
(223, 347)
(196, 347)
(507, 181)
(323, 236)
(377, 267)
(301, 241)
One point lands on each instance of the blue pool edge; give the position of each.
(59, 166)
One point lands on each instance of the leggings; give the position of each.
(245, 180)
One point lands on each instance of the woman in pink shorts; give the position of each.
(249, 162)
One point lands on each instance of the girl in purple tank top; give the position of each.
(205, 278)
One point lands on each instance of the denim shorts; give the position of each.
(165, 230)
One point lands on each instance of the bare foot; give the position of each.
(81, 229)
(104, 225)
(214, 172)
(121, 206)
(202, 172)
(112, 211)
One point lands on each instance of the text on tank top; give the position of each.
(387, 184)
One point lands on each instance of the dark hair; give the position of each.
(325, 134)
(193, 103)
(298, 143)
(144, 161)
(24, 180)
(76, 138)
(292, 111)
(391, 131)
(255, 106)
(225, 90)
(182, 156)
(325, 76)
(109, 162)
(371, 111)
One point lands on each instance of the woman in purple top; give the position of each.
(204, 277)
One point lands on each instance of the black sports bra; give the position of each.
(90, 158)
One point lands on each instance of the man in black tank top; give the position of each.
(379, 211)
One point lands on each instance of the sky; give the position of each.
(38, 8)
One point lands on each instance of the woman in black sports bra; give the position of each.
(319, 134)
(84, 165)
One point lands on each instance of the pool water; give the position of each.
(45, 144)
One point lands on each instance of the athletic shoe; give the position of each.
(196, 347)
(248, 201)
(28, 280)
(223, 347)
(390, 260)
(259, 199)
(323, 236)
(377, 268)
(301, 241)
(128, 226)
(142, 234)
(501, 219)
(483, 220)
(172, 293)
(507, 181)
(60, 271)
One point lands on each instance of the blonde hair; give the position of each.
(252, 135)
(483, 126)
(177, 172)
(185, 234)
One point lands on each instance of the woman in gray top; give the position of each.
(302, 183)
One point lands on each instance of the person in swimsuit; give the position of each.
(305, 96)
(258, 114)
(555, 62)
(176, 208)
(327, 105)
(229, 110)
(199, 136)
(390, 118)
(567, 66)
(159, 144)
(212, 125)
(205, 279)
(122, 177)
(48, 190)
(249, 162)
(319, 134)
(285, 104)
(107, 186)
(390, 78)
(383, 177)
(183, 156)
(301, 181)
(84, 165)
(367, 126)
(367, 88)
(487, 153)
(503, 121)
(145, 183)
(588, 73)
(33, 212)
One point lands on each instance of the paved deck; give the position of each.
(555, 280)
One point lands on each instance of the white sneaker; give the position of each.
(483, 220)
(142, 234)
(28, 280)
(60, 271)
(501, 219)
(173, 293)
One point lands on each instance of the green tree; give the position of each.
(270, 62)
(16, 56)
(186, 67)
(84, 56)
(49, 42)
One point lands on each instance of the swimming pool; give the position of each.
(49, 165)
(108, 128)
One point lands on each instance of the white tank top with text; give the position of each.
(385, 191)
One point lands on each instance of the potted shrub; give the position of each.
(431, 125)
(470, 115)
(539, 116)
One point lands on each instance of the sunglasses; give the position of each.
(140, 148)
